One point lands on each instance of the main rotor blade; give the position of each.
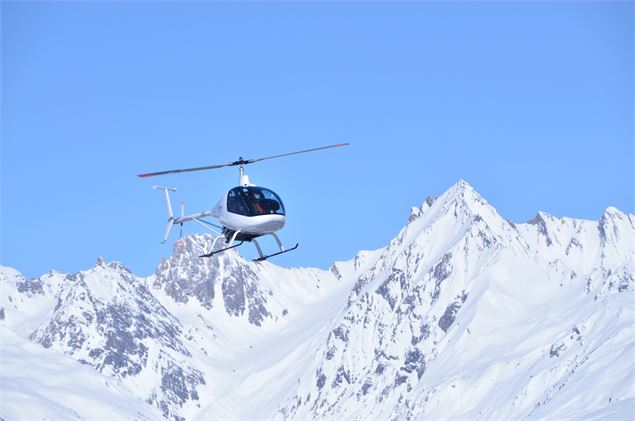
(250, 161)
(209, 167)
(241, 161)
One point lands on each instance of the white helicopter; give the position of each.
(246, 212)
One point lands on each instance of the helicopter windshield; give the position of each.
(254, 201)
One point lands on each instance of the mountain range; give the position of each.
(464, 314)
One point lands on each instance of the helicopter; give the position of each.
(246, 212)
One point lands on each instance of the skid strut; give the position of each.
(263, 258)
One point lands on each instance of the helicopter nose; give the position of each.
(274, 224)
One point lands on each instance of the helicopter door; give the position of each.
(254, 201)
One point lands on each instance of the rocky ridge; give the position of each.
(462, 314)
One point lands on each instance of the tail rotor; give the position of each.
(168, 228)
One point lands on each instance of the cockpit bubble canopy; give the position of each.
(254, 201)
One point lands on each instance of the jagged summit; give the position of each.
(459, 192)
(462, 190)
(461, 198)
(611, 210)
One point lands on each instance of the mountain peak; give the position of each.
(611, 210)
(464, 189)
(538, 218)
(463, 184)
(460, 200)
(462, 195)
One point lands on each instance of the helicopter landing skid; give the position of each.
(252, 239)
(263, 258)
(211, 253)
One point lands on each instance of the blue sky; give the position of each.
(530, 102)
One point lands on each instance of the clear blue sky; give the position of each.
(530, 102)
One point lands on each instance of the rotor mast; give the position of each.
(244, 178)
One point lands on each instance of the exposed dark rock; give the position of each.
(385, 292)
(30, 288)
(555, 350)
(424, 332)
(379, 353)
(539, 221)
(400, 379)
(486, 240)
(415, 213)
(341, 333)
(397, 276)
(441, 272)
(330, 353)
(366, 387)
(380, 368)
(180, 386)
(234, 296)
(625, 281)
(321, 379)
(602, 225)
(414, 361)
(450, 313)
(573, 243)
(341, 375)
(257, 301)
(335, 272)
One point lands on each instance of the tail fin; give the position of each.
(168, 228)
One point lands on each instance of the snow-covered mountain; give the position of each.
(463, 314)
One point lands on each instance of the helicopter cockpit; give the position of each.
(254, 201)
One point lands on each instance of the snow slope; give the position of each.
(467, 315)
(42, 384)
(463, 314)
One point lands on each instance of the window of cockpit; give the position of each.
(270, 202)
(254, 201)
(236, 203)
